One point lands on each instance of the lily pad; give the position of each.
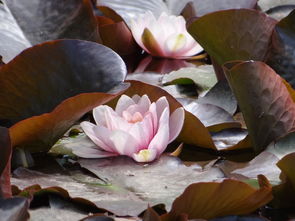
(281, 54)
(14, 209)
(123, 186)
(41, 100)
(203, 76)
(243, 34)
(268, 108)
(27, 23)
(211, 200)
(5, 156)
(283, 146)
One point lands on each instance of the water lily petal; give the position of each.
(160, 140)
(153, 111)
(98, 134)
(175, 123)
(142, 106)
(146, 155)
(175, 43)
(114, 121)
(143, 131)
(150, 43)
(124, 143)
(161, 104)
(99, 115)
(93, 153)
(123, 103)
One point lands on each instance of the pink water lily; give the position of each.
(137, 128)
(164, 37)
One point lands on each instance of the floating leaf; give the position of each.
(60, 87)
(32, 22)
(243, 34)
(267, 4)
(211, 200)
(213, 117)
(264, 163)
(14, 209)
(123, 186)
(5, 156)
(284, 194)
(268, 108)
(109, 32)
(204, 7)
(222, 96)
(203, 76)
(282, 50)
(283, 146)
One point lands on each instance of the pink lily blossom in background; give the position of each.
(137, 128)
(164, 37)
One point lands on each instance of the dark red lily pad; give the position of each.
(61, 77)
(211, 200)
(264, 100)
(282, 50)
(243, 34)
(204, 7)
(284, 194)
(111, 25)
(5, 156)
(42, 21)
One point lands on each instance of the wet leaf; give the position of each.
(32, 22)
(54, 92)
(231, 139)
(284, 194)
(280, 12)
(281, 55)
(204, 7)
(213, 117)
(14, 209)
(268, 108)
(203, 76)
(243, 34)
(267, 4)
(151, 215)
(264, 163)
(132, 8)
(210, 200)
(222, 96)
(283, 146)
(114, 27)
(123, 186)
(5, 156)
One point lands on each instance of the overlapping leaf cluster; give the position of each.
(52, 84)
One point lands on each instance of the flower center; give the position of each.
(136, 117)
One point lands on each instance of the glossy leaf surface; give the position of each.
(210, 200)
(242, 34)
(65, 68)
(282, 50)
(268, 108)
